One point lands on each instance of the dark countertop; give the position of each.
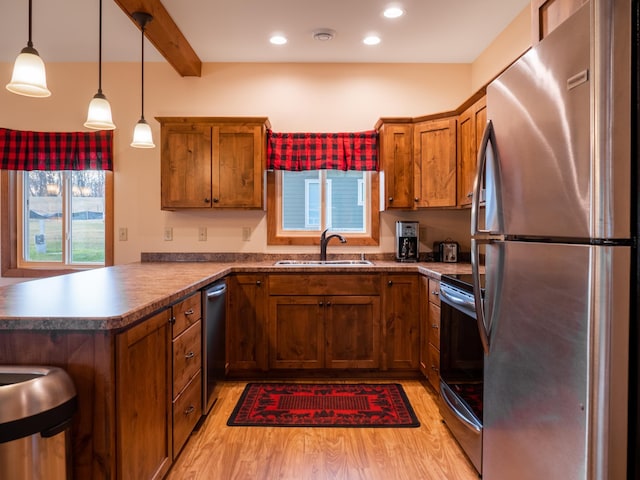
(113, 298)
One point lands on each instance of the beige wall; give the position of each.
(512, 42)
(295, 97)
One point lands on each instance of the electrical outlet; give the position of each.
(168, 234)
(246, 234)
(122, 234)
(202, 234)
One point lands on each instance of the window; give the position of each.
(62, 218)
(302, 204)
(57, 221)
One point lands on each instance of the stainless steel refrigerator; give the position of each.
(557, 227)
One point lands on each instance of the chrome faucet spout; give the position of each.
(324, 240)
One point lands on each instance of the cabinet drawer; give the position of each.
(434, 325)
(186, 313)
(433, 373)
(314, 284)
(186, 412)
(187, 356)
(434, 291)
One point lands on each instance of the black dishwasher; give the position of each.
(213, 340)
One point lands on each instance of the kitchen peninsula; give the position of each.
(111, 329)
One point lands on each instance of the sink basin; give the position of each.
(325, 263)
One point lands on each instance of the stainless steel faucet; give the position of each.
(324, 240)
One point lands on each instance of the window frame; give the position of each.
(9, 235)
(277, 236)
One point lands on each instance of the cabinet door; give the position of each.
(546, 15)
(296, 332)
(433, 374)
(238, 166)
(401, 321)
(143, 399)
(434, 145)
(246, 323)
(397, 163)
(185, 166)
(424, 326)
(471, 125)
(352, 329)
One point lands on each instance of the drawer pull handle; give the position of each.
(435, 292)
(189, 410)
(189, 312)
(435, 325)
(390, 283)
(189, 355)
(258, 282)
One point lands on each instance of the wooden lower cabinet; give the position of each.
(186, 353)
(246, 323)
(401, 300)
(143, 399)
(430, 330)
(315, 332)
(324, 322)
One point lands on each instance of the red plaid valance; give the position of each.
(22, 150)
(320, 151)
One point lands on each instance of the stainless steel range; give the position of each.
(461, 365)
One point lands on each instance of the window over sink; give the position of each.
(301, 204)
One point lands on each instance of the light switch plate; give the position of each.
(202, 234)
(168, 234)
(123, 234)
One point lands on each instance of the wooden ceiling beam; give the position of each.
(165, 35)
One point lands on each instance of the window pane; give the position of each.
(301, 200)
(43, 217)
(87, 216)
(348, 211)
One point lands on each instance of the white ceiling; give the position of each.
(440, 31)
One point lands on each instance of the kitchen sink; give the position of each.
(325, 263)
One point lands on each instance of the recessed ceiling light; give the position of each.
(278, 39)
(393, 12)
(371, 40)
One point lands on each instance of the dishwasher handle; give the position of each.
(219, 291)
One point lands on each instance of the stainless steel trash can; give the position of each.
(36, 407)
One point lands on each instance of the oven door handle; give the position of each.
(444, 393)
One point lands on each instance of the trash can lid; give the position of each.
(34, 398)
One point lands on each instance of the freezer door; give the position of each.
(557, 132)
(555, 376)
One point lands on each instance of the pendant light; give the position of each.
(99, 115)
(142, 137)
(29, 77)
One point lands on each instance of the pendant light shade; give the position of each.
(142, 137)
(99, 114)
(29, 77)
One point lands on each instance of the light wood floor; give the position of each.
(219, 452)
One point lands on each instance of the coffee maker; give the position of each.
(407, 241)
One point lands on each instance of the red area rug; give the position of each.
(323, 405)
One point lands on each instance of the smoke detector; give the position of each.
(324, 34)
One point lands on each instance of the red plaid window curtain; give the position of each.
(23, 150)
(320, 151)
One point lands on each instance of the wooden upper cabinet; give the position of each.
(471, 125)
(434, 146)
(396, 140)
(212, 162)
(185, 166)
(546, 15)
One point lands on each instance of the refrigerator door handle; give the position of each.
(487, 137)
(477, 292)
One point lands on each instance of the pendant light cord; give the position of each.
(142, 67)
(30, 43)
(99, 51)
